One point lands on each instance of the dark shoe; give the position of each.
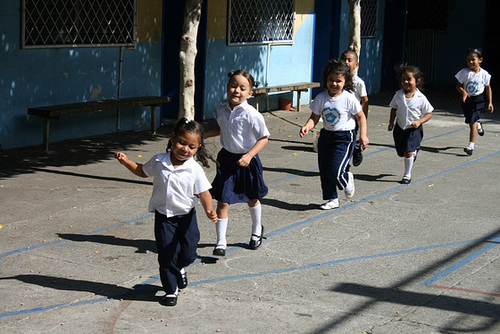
(480, 129)
(405, 180)
(219, 252)
(254, 244)
(468, 150)
(168, 300)
(184, 280)
(357, 156)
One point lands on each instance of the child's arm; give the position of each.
(417, 123)
(131, 165)
(489, 97)
(391, 119)
(361, 119)
(364, 105)
(311, 123)
(259, 145)
(207, 203)
(461, 90)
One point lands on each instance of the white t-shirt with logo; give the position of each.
(473, 83)
(337, 112)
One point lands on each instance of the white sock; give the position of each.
(408, 167)
(175, 294)
(221, 228)
(471, 145)
(256, 213)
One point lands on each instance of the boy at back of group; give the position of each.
(351, 58)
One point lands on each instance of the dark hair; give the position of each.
(247, 75)
(351, 51)
(417, 73)
(478, 52)
(184, 125)
(338, 66)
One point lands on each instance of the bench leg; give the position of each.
(153, 120)
(256, 102)
(298, 100)
(46, 132)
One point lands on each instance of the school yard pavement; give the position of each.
(77, 251)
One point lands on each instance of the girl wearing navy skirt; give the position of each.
(243, 133)
(473, 84)
(179, 183)
(410, 108)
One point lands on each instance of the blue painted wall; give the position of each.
(39, 77)
(287, 63)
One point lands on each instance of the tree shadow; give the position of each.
(140, 292)
(396, 293)
(142, 245)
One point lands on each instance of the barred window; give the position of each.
(369, 15)
(260, 21)
(78, 23)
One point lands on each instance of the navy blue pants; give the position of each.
(176, 240)
(335, 149)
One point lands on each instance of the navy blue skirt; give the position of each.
(236, 184)
(407, 140)
(474, 108)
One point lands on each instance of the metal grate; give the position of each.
(369, 15)
(74, 23)
(261, 21)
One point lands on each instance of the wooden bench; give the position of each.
(53, 112)
(294, 87)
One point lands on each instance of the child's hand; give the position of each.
(121, 157)
(490, 107)
(212, 215)
(303, 131)
(464, 96)
(244, 160)
(390, 127)
(416, 124)
(363, 141)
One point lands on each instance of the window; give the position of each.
(78, 23)
(369, 14)
(260, 21)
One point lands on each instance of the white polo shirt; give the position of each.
(241, 127)
(337, 112)
(411, 109)
(473, 83)
(359, 87)
(175, 189)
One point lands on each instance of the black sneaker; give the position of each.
(357, 156)
(184, 280)
(254, 244)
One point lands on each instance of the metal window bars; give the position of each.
(261, 22)
(78, 23)
(369, 18)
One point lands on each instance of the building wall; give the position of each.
(287, 63)
(39, 77)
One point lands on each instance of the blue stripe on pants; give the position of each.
(177, 241)
(335, 149)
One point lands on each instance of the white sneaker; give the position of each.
(331, 204)
(350, 185)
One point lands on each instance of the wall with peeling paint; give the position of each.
(39, 77)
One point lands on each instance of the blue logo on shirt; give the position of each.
(331, 116)
(472, 87)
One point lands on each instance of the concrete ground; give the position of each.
(77, 250)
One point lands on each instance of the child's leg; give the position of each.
(256, 213)
(167, 243)
(221, 225)
(189, 236)
(408, 158)
(472, 132)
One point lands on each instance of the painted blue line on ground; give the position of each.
(493, 243)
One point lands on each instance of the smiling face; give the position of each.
(238, 90)
(409, 82)
(474, 62)
(335, 83)
(184, 146)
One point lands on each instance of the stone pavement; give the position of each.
(77, 250)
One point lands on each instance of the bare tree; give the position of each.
(355, 25)
(187, 56)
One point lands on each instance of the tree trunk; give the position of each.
(187, 56)
(355, 26)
